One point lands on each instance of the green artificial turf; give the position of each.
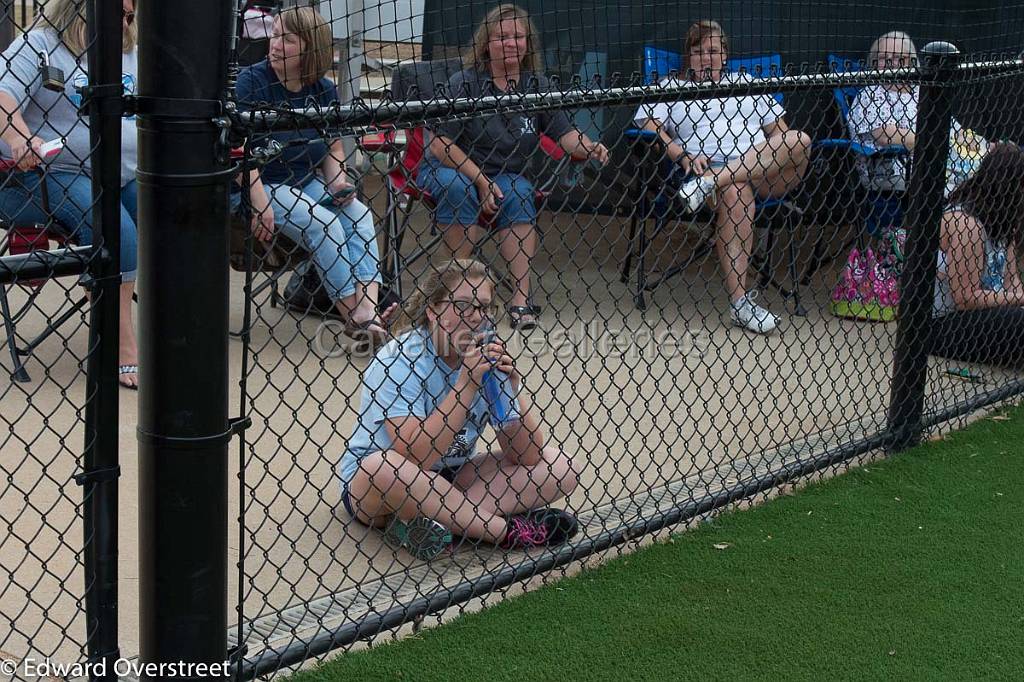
(912, 568)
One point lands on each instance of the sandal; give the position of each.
(516, 314)
(127, 369)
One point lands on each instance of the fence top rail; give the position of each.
(362, 115)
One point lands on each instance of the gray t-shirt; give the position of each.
(503, 142)
(55, 115)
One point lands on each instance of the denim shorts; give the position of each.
(459, 204)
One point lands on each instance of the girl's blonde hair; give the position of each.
(436, 287)
(887, 42)
(67, 18)
(478, 56)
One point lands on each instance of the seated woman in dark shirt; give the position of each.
(476, 165)
(306, 191)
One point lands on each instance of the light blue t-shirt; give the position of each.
(408, 378)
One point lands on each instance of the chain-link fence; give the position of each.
(709, 269)
(62, 249)
(511, 287)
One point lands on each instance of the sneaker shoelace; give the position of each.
(525, 533)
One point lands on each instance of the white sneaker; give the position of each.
(752, 317)
(696, 192)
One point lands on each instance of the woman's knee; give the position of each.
(797, 143)
(383, 470)
(736, 193)
(563, 469)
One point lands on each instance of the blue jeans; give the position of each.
(71, 205)
(459, 204)
(342, 239)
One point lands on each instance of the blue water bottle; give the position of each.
(499, 400)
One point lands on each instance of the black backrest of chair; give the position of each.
(420, 80)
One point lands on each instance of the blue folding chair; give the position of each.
(653, 198)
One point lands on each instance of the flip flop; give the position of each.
(127, 369)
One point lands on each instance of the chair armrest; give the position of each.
(867, 151)
(389, 141)
(641, 135)
(555, 151)
(889, 151)
(551, 148)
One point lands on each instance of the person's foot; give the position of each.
(523, 317)
(562, 526)
(423, 538)
(128, 376)
(752, 317)
(697, 192)
(372, 329)
(539, 528)
(128, 363)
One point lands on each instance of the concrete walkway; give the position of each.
(657, 408)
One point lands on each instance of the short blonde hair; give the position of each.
(700, 30)
(478, 56)
(67, 18)
(886, 43)
(317, 42)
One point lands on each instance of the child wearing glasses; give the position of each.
(412, 463)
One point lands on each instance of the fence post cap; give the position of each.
(940, 48)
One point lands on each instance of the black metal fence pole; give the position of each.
(924, 213)
(183, 312)
(99, 478)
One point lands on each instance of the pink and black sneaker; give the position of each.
(540, 528)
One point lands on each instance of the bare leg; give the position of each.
(505, 487)
(735, 242)
(460, 240)
(518, 245)
(773, 167)
(387, 483)
(128, 351)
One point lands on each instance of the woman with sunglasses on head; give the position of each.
(306, 192)
(477, 166)
(412, 461)
(40, 111)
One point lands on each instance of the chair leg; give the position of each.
(794, 277)
(18, 372)
(53, 326)
(641, 264)
(624, 276)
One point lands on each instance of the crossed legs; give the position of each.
(770, 169)
(486, 490)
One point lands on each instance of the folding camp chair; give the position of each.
(411, 82)
(19, 238)
(654, 200)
